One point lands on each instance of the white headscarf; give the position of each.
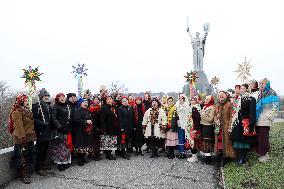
(182, 111)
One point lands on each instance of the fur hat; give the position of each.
(43, 92)
(70, 95)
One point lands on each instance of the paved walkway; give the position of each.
(139, 172)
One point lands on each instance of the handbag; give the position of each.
(245, 123)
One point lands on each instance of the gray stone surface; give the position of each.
(139, 172)
(6, 174)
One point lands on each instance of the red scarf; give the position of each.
(210, 103)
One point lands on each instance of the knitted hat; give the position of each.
(43, 92)
(70, 95)
(80, 101)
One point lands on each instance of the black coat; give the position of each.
(174, 122)
(72, 107)
(81, 137)
(196, 119)
(108, 121)
(247, 111)
(126, 119)
(41, 113)
(61, 117)
(138, 140)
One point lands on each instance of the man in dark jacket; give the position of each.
(41, 114)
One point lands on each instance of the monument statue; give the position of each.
(198, 44)
(203, 87)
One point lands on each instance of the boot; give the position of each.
(222, 162)
(61, 167)
(80, 160)
(124, 155)
(136, 152)
(153, 155)
(140, 152)
(181, 156)
(24, 175)
(241, 161)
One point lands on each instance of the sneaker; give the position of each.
(192, 159)
(264, 158)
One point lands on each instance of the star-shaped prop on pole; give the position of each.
(244, 71)
(191, 77)
(80, 71)
(215, 80)
(31, 75)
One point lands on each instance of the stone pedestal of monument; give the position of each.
(202, 85)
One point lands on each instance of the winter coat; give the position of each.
(72, 107)
(96, 113)
(223, 118)
(247, 111)
(182, 112)
(126, 119)
(23, 124)
(268, 114)
(60, 117)
(157, 130)
(108, 120)
(83, 132)
(41, 113)
(138, 139)
(207, 115)
(172, 119)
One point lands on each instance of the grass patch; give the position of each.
(260, 175)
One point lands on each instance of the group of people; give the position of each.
(228, 127)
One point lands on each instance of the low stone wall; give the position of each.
(7, 174)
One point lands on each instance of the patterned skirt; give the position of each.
(108, 142)
(60, 153)
(172, 138)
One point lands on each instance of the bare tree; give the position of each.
(6, 101)
(117, 87)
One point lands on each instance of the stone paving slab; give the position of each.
(139, 172)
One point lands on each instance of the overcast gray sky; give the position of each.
(143, 44)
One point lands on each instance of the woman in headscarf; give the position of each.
(172, 130)
(155, 124)
(207, 127)
(267, 109)
(83, 131)
(61, 117)
(138, 140)
(182, 106)
(109, 128)
(193, 129)
(21, 126)
(222, 119)
(243, 127)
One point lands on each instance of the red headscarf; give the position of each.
(18, 102)
(210, 103)
(58, 96)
